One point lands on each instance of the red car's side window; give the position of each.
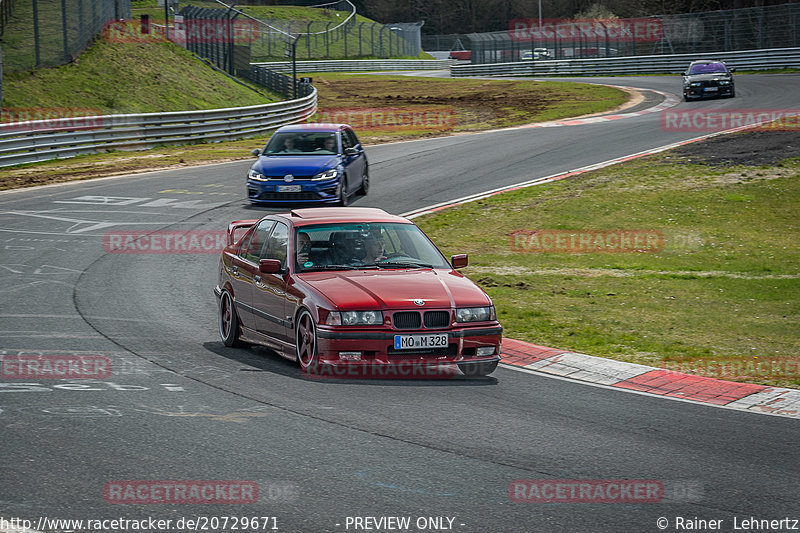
(277, 244)
(253, 244)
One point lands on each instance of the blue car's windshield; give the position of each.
(365, 245)
(708, 68)
(302, 143)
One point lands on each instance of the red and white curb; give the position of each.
(670, 100)
(650, 380)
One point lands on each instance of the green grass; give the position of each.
(725, 286)
(123, 77)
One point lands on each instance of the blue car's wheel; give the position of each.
(343, 199)
(365, 181)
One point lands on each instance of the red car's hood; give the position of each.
(396, 289)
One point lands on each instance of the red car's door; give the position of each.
(244, 269)
(269, 293)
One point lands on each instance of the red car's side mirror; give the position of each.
(459, 260)
(269, 266)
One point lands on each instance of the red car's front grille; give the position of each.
(414, 320)
(407, 320)
(437, 319)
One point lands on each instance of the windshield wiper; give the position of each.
(330, 267)
(396, 264)
(339, 267)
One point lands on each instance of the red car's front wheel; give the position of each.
(306, 341)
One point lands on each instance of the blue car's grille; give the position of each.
(299, 196)
(280, 178)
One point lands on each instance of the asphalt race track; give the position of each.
(178, 405)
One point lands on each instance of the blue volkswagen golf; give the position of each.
(309, 163)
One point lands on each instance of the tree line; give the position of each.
(467, 16)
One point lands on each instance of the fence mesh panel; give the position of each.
(46, 33)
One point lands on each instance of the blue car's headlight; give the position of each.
(255, 175)
(695, 84)
(724, 82)
(326, 175)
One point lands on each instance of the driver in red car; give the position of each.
(374, 248)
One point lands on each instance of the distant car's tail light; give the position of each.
(484, 351)
(475, 314)
(350, 356)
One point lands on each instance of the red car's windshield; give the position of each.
(355, 245)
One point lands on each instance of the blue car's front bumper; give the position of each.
(269, 192)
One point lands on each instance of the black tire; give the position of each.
(364, 182)
(306, 342)
(478, 369)
(228, 322)
(343, 198)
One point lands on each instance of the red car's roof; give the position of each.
(317, 215)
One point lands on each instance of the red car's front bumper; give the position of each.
(372, 349)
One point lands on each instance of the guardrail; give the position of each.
(43, 140)
(672, 63)
(359, 65)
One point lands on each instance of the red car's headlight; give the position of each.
(475, 314)
(354, 318)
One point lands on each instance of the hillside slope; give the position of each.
(125, 77)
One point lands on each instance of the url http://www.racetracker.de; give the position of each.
(148, 524)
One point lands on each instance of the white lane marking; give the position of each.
(102, 200)
(129, 200)
(78, 225)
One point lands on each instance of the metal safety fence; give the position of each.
(360, 65)
(46, 33)
(43, 140)
(673, 63)
(276, 81)
(755, 28)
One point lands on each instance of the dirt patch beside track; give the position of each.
(755, 148)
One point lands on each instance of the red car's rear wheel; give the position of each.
(229, 322)
(306, 341)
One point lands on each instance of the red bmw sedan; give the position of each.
(338, 289)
